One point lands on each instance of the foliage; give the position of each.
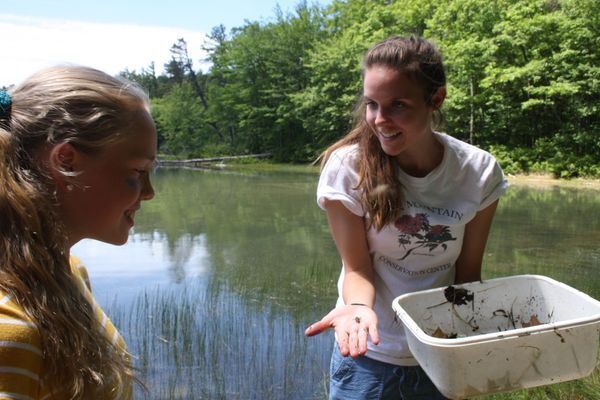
(179, 120)
(523, 80)
(254, 75)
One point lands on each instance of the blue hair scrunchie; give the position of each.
(5, 103)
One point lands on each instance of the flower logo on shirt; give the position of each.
(417, 227)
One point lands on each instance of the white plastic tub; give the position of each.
(516, 332)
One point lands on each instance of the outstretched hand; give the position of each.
(352, 325)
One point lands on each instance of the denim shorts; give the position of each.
(364, 379)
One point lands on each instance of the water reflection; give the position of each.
(224, 270)
(264, 233)
(146, 261)
(553, 232)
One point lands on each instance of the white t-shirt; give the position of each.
(419, 250)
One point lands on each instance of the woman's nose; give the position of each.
(147, 190)
(381, 116)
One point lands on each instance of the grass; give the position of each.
(581, 389)
(208, 343)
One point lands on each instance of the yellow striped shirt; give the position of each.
(20, 349)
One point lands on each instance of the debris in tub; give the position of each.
(470, 322)
(439, 333)
(533, 321)
(509, 315)
(562, 339)
(502, 313)
(458, 296)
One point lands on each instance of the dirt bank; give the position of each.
(547, 181)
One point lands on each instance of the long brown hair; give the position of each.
(378, 182)
(88, 109)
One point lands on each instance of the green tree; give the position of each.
(156, 85)
(180, 119)
(546, 76)
(253, 77)
(463, 29)
(523, 79)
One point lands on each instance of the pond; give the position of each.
(224, 270)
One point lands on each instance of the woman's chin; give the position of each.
(391, 148)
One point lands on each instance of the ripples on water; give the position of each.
(225, 270)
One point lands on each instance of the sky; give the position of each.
(114, 35)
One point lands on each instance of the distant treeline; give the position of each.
(523, 80)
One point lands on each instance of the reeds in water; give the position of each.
(194, 342)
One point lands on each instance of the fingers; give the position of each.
(353, 340)
(343, 342)
(352, 327)
(353, 344)
(362, 340)
(316, 328)
(357, 341)
(374, 333)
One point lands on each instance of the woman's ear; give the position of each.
(438, 98)
(64, 161)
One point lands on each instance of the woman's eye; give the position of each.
(141, 172)
(148, 170)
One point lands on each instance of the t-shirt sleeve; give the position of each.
(338, 181)
(495, 184)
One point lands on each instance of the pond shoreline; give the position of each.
(540, 181)
(547, 181)
(252, 164)
(201, 290)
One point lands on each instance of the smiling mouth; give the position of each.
(389, 135)
(130, 214)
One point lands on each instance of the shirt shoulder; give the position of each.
(474, 169)
(81, 276)
(339, 179)
(464, 152)
(20, 351)
(348, 152)
(80, 271)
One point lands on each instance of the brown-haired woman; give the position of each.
(409, 209)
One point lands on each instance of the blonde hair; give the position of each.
(378, 182)
(90, 110)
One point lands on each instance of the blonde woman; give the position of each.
(76, 149)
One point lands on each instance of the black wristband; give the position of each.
(359, 304)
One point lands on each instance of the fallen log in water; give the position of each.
(194, 162)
